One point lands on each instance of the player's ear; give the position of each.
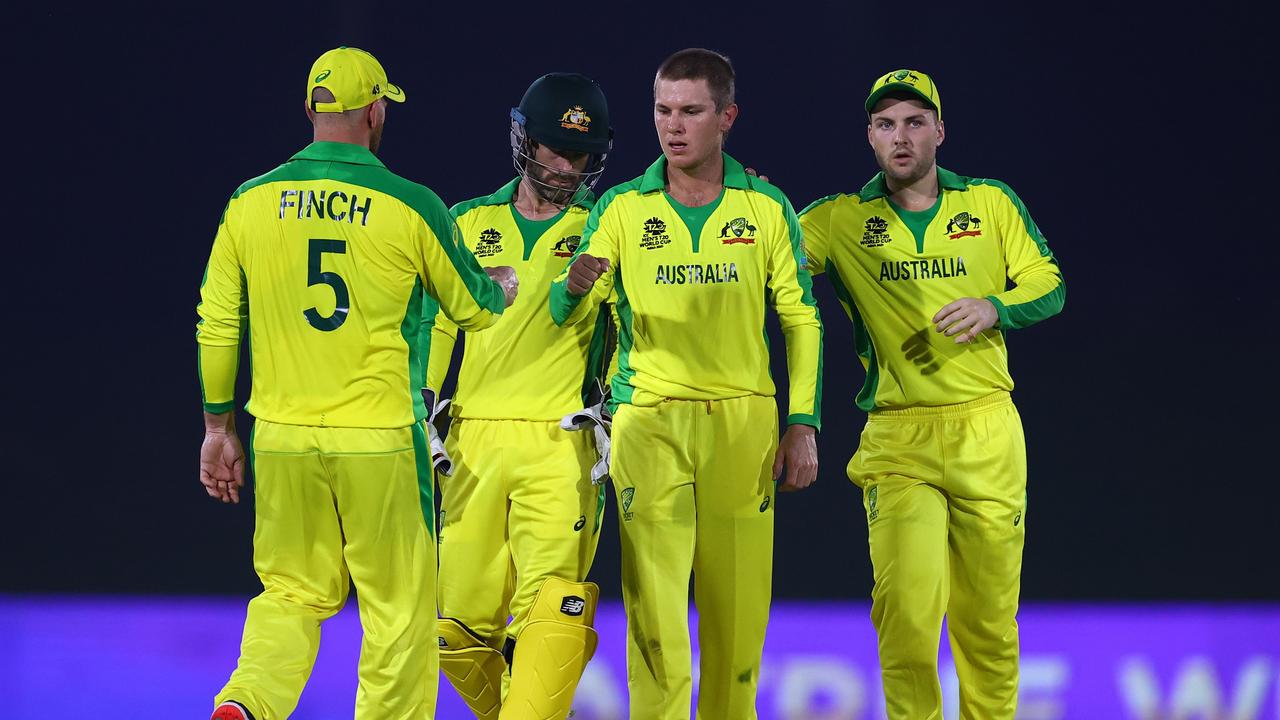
(727, 117)
(311, 114)
(942, 131)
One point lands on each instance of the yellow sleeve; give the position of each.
(815, 224)
(791, 293)
(451, 275)
(599, 239)
(223, 311)
(1038, 291)
(444, 336)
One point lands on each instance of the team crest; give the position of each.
(490, 243)
(575, 118)
(655, 234)
(627, 495)
(566, 246)
(738, 230)
(960, 224)
(903, 76)
(873, 497)
(876, 232)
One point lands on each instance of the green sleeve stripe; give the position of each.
(862, 344)
(1016, 317)
(1029, 225)
(426, 477)
(621, 383)
(563, 303)
(1022, 315)
(412, 330)
(597, 363)
(219, 408)
(803, 419)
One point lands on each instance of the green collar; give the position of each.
(338, 152)
(655, 178)
(506, 195)
(876, 187)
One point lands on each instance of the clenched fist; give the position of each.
(505, 276)
(584, 272)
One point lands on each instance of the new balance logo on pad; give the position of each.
(572, 605)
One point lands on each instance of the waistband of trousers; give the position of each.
(993, 401)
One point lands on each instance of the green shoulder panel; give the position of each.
(820, 201)
(1032, 229)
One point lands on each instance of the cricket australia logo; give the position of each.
(655, 234)
(575, 118)
(873, 496)
(738, 230)
(876, 232)
(566, 246)
(902, 76)
(960, 224)
(627, 495)
(490, 243)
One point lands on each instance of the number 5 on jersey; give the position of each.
(315, 276)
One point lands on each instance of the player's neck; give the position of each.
(341, 135)
(915, 196)
(698, 185)
(531, 205)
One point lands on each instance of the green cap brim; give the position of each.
(893, 88)
(394, 93)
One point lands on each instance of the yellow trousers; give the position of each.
(519, 508)
(695, 494)
(333, 506)
(945, 492)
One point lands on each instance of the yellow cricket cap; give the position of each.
(355, 78)
(912, 82)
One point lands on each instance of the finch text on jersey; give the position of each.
(321, 204)
(696, 274)
(922, 269)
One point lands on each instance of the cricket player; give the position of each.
(922, 260)
(519, 514)
(694, 249)
(331, 253)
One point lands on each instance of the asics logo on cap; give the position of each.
(572, 605)
(322, 76)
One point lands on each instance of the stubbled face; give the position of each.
(555, 172)
(690, 130)
(905, 135)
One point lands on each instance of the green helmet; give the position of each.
(563, 111)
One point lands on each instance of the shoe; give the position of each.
(231, 710)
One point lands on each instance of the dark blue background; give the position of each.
(1140, 140)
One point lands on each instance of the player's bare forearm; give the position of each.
(221, 457)
(798, 454)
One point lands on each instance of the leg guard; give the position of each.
(552, 651)
(474, 668)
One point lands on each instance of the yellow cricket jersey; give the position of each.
(893, 270)
(524, 367)
(691, 286)
(332, 253)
